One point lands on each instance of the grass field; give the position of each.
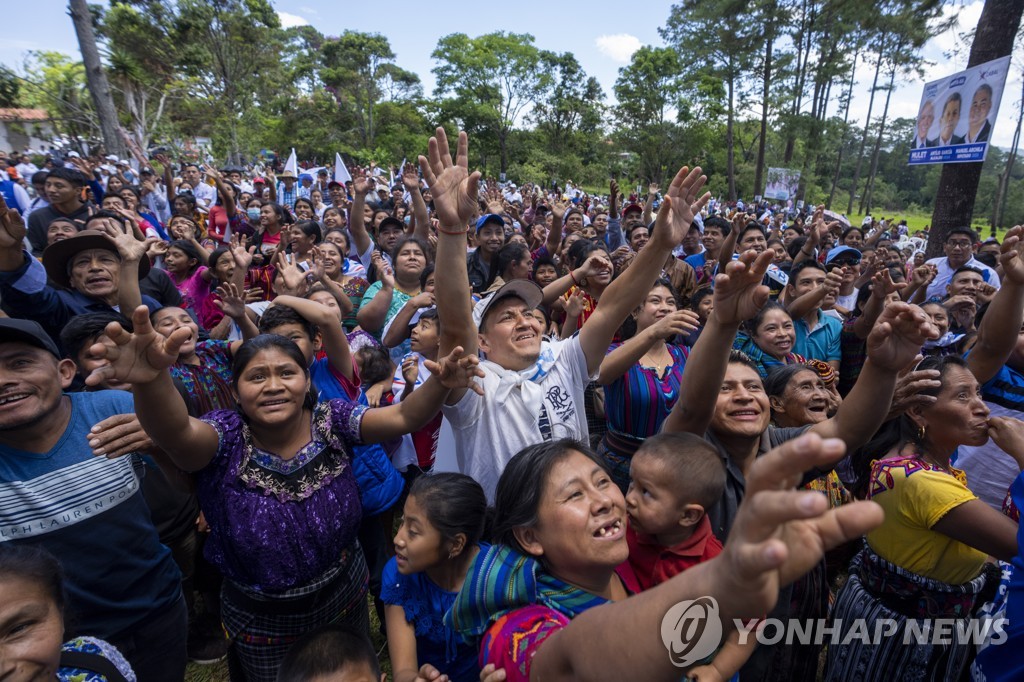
(919, 221)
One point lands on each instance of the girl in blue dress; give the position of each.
(435, 546)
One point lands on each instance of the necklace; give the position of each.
(647, 360)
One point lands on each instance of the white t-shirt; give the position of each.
(542, 403)
(945, 275)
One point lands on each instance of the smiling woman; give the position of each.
(274, 478)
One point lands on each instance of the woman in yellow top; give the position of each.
(928, 560)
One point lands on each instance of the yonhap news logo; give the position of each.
(691, 631)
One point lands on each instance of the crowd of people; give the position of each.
(241, 409)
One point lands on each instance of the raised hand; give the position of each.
(1011, 255)
(422, 300)
(898, 335)
(12, 227)
(212, 173)
(294, 277)
(739, 293)
(455, 371)
(410, 369)
(163, 161)
(574, 304)
(682, 202)
(239, 253)
(231, 302)
(384, 272)
(595, 265)
(679, 322)
(317, 269)
(909, 385)
(128, 247)
(780, 533)
(882, 284)
(410, 178)
(613, 189)
(453, 188)
(135, 358)
(558, 209)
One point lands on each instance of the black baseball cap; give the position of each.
(26, 331)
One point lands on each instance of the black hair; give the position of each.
(375, 366)
(304, 200)
(133, 189)
(407, 238)
(796, 246)
(628, 328)
(842, 236)
(101, 214)
(964, 231)
(215, 256)
(425, 275)
(430, 314)
(542, 262)
(254, 346)
(750, 326)
(987, 258)
(190, 250)
(341, 215)
(517, 498)
(277, 316)
(329, 649)
(581, 250)
(510, 253)
(698, 296)
(35, 564)
(82, 330)
(694, 466)
(966, 268)
(310, 228)
(752, 225)
(70, 175)
(454, 504)
(721, 224)
(738, 357)
(899, 431)
(39, 177)
(805, 264)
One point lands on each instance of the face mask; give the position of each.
(253, 213)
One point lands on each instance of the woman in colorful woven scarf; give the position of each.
(275, 480)
(560, 540)
(929, 559)
(768, 339)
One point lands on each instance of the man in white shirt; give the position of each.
(925, 119)
(26, 169)
(959, 250)
(206, 196)
(533, 390)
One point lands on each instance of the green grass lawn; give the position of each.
(918, 221)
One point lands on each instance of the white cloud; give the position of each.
(619, 47)
(308, 10)
(291, 20)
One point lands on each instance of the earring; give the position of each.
(920, 433)
(450, 555)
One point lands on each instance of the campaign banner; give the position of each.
(956, 115)
(782, 184)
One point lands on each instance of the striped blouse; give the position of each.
(638, 402)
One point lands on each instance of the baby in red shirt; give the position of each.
(674, 477)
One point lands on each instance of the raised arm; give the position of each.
(554, 239)
(681, 203)
(652, 194)
(804, 305)
(373, 314)
(451, 372)
(356, 225)
(1001, 325)
(132, 251)
(222, 190)
(454, 190)
(335, 342)
(738, 296)
(141, 359)
(420, 216)
(896, 339)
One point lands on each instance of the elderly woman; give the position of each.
(929, 559)
(274, 478)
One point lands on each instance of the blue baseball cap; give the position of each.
(840, 250)
(490, 218)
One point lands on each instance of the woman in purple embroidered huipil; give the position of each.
(274, 480)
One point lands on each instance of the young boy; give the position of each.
(675, 477)
(415, 452)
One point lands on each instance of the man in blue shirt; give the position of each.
(87, 510)
(817, 334)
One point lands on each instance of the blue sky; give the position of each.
(601, 35)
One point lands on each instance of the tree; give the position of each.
(699, 27)
(99, 87)
(648, 91)
(958, 184)
(54, 82)
(359, 69)
(492, 82)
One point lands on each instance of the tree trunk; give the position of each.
(96, 77)
(765, 87)
(1004, 178)
(867, 126)
(958, 184)
(865, 201)
(846, 118)
(730, 153)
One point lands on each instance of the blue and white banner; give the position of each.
(956, 115)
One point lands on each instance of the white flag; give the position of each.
(341, 173)
(293, 164)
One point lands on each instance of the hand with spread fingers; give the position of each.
(682, 202)
(453, 188)
(457, 370)
(135, 358)
(739, 293)
(898, 335)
